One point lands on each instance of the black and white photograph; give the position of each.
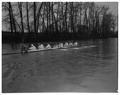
(59, 47)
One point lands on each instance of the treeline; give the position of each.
(56, 21)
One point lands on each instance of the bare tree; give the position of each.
(21, 17)
(27, 11)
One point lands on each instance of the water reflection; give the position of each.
(83, 70)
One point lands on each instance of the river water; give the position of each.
(84, 69)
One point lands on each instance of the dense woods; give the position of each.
(56, 21)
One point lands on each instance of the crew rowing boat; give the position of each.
(38, 50)
(46, 49)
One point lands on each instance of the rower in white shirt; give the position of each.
(70, 44)
(32, 47)
(48, 46)
(41, 46)
(66, 45)
(55, 46)
(61, 45)
(75, 44)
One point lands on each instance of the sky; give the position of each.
(113, 6)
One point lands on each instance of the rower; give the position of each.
(24, 49)
(48, 46)
(55, 46)
(75, 44)
(41, 46)
(70, 44)
(66, 44)
(61, 45)
(32, 47)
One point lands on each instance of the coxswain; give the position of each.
(24, 49)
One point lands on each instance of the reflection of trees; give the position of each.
(59, 19)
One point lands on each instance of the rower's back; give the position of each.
(66, 44)
(75, 44)
(48, 46)
(32, 47)
(41, 46)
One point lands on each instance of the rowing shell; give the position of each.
(31, 51)
(38, 50)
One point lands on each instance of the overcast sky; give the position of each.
(112, 5)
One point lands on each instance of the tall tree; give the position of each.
(27, 11)
(10, 16)
(21, 17)
(38, 16)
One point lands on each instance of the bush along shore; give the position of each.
(7, 37)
